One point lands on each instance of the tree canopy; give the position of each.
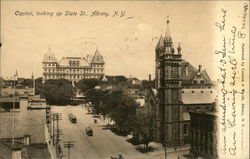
(119, 106)
(144, 121)
(147, 84)
(38, 85)
(57, 91)
(85, 84)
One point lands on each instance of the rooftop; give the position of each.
(198, 96)
(8, 99)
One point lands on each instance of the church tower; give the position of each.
(168, 83)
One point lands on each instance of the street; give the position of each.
(102, 145)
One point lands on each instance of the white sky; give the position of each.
(27, 38)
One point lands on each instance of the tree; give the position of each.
(38, 85)
(1, 81)
(122, 109)
(119, 106)
(95, 96)
(85, 84)
(147, 84)
(59, 92)
(144, 123)
(117, 80)
(28, 82)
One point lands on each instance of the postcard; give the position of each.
(124, 79)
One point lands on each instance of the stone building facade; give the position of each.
(203, 134)
(73, 68)
(180, 88)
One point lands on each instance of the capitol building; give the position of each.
(72, 68)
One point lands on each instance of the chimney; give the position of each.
(16, 152)
(200, 68)
(26, 140)
(149, 77)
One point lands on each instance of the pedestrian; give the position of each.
(120, 157)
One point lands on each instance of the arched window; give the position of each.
(185, 129)
(152, 103)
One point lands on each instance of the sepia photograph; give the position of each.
(124, 79)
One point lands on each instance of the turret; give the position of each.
(49, 56)
(179, 49)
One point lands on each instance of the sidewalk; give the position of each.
(105, 120)
(51, 148)
(159, 151)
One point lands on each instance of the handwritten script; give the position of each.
(231, 65)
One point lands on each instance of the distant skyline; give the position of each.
(127, 43)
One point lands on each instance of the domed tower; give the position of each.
(168, 75)
(49, 65)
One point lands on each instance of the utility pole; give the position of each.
(34, 83)
(53, 127)
(180, 137)
(165, 150)
(14, 102)
(1, 79)
(48, 118)
(69, 144)
(58, 146)
(56, 132)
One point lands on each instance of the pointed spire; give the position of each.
(179, 49)
(34, 83)
(16, 75)
(160, 44)
(167, 34)
(49, 56)
(32, 75)
(97, 58)
(49, 48)
(96, 51)
(168, 38)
